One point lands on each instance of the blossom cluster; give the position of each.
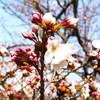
(43, 68)
(48, 22)
(58, 53)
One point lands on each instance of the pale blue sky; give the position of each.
(13, 26)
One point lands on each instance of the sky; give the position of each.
(13, 26)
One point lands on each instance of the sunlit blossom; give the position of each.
(85, 91)
(93, 53)
(28, 91)
(50, 92)
(49, 19)
(69, 22)
(72, 87)
(3, 50)
(96, 83)
(56, 67)
(96, 44)
(57, 53)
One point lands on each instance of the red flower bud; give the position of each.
(69, 22)
(36, 18)
(35, 29)
(28, 35)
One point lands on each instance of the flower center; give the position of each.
(54, 48)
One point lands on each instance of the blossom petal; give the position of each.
(56, 67)
(48, 56)
(96, 44)
(72, 47)
(56, 60)
(48, 18)
(64, 64)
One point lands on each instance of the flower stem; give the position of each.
(44, 40)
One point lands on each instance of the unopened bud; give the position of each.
(27, 35)
(36, 18)
(35, 29)
(3, 50)
(69, 23)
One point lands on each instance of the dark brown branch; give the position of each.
(63, 10)
(64, 38)
(60, 4)
(43, 50)
(76, 32)
(18, 45)
(38, 6)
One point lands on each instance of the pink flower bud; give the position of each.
(36, 18)
(19, 51)
(32, 58)
(95, 93)
(35, 29)
(18, 96)
(29, 68)
(27, 49)
(17, 56)
(69, 23)
(28, 35)
(37, 78)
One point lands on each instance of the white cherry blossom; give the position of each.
(97, 82)
(85, 91)
(73, 21)
(57, 53)
(49, 19)
(96, 44)
(3, 50)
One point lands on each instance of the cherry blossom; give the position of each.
(69, 22)
(36, 17)
(3, 50)
(96, 82)
(57, 53)
(96, 44)
(28, 35)
(49, 19)
(85, 90)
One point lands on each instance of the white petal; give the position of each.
(56, 67)
(72, 47)
(48, 18)
(48, 56)
(56, 60)
(96, 44)
(64, 64)
(66, 51)
(54, 42)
